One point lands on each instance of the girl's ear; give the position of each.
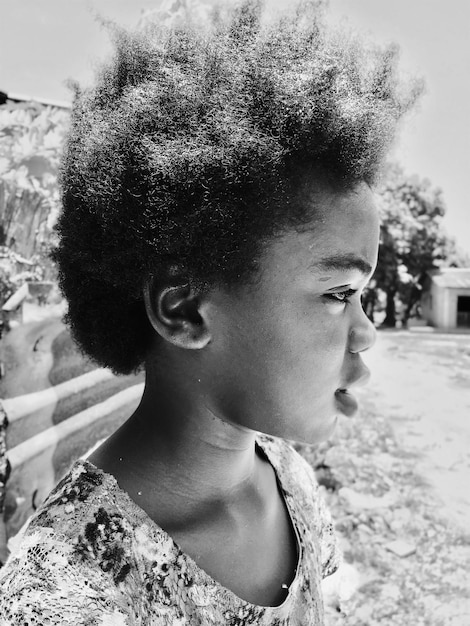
(173, 309)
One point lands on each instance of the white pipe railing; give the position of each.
(49, 438)
(36, 462)
(20, 407)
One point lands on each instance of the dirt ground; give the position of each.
(397, 480)
(423, 379)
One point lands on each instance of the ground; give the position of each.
(397, 478)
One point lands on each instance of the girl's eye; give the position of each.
(341, 296)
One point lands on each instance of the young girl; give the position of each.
(218, 229)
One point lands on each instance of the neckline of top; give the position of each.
(145, 518)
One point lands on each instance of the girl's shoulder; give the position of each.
(298, 482)
(285, 457)
(295, 475)
(65, 562)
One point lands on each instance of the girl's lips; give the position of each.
(346, 402)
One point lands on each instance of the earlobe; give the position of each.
(174, 312)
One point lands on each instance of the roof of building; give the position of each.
(15, 99)
(451, 277)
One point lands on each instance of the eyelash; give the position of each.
(341, 296)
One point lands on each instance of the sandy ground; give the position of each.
(424, 378)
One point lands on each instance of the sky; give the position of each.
(45, 42)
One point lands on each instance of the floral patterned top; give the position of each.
(91, 556)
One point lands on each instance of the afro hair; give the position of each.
(185, 154)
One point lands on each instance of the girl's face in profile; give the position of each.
(284, 347)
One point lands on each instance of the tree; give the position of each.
(173, 12)
(412, 241)
(31, 139)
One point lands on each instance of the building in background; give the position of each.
(445, 302)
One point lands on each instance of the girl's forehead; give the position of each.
(343, 233)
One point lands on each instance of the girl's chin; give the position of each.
(320, 433)
(310, 427)
(327, 431)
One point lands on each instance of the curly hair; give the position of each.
(185, 155)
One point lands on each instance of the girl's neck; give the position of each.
(202, 480)
(175, 453)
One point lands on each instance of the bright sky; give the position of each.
(44, 42)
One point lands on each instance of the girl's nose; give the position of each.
(362, 335)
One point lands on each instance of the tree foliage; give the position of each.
(413, 241)
(175, 12)
(31, 139)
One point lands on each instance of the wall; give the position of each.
(444, 306)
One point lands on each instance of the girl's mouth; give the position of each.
(346, 402)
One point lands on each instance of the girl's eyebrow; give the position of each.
(344, 262)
